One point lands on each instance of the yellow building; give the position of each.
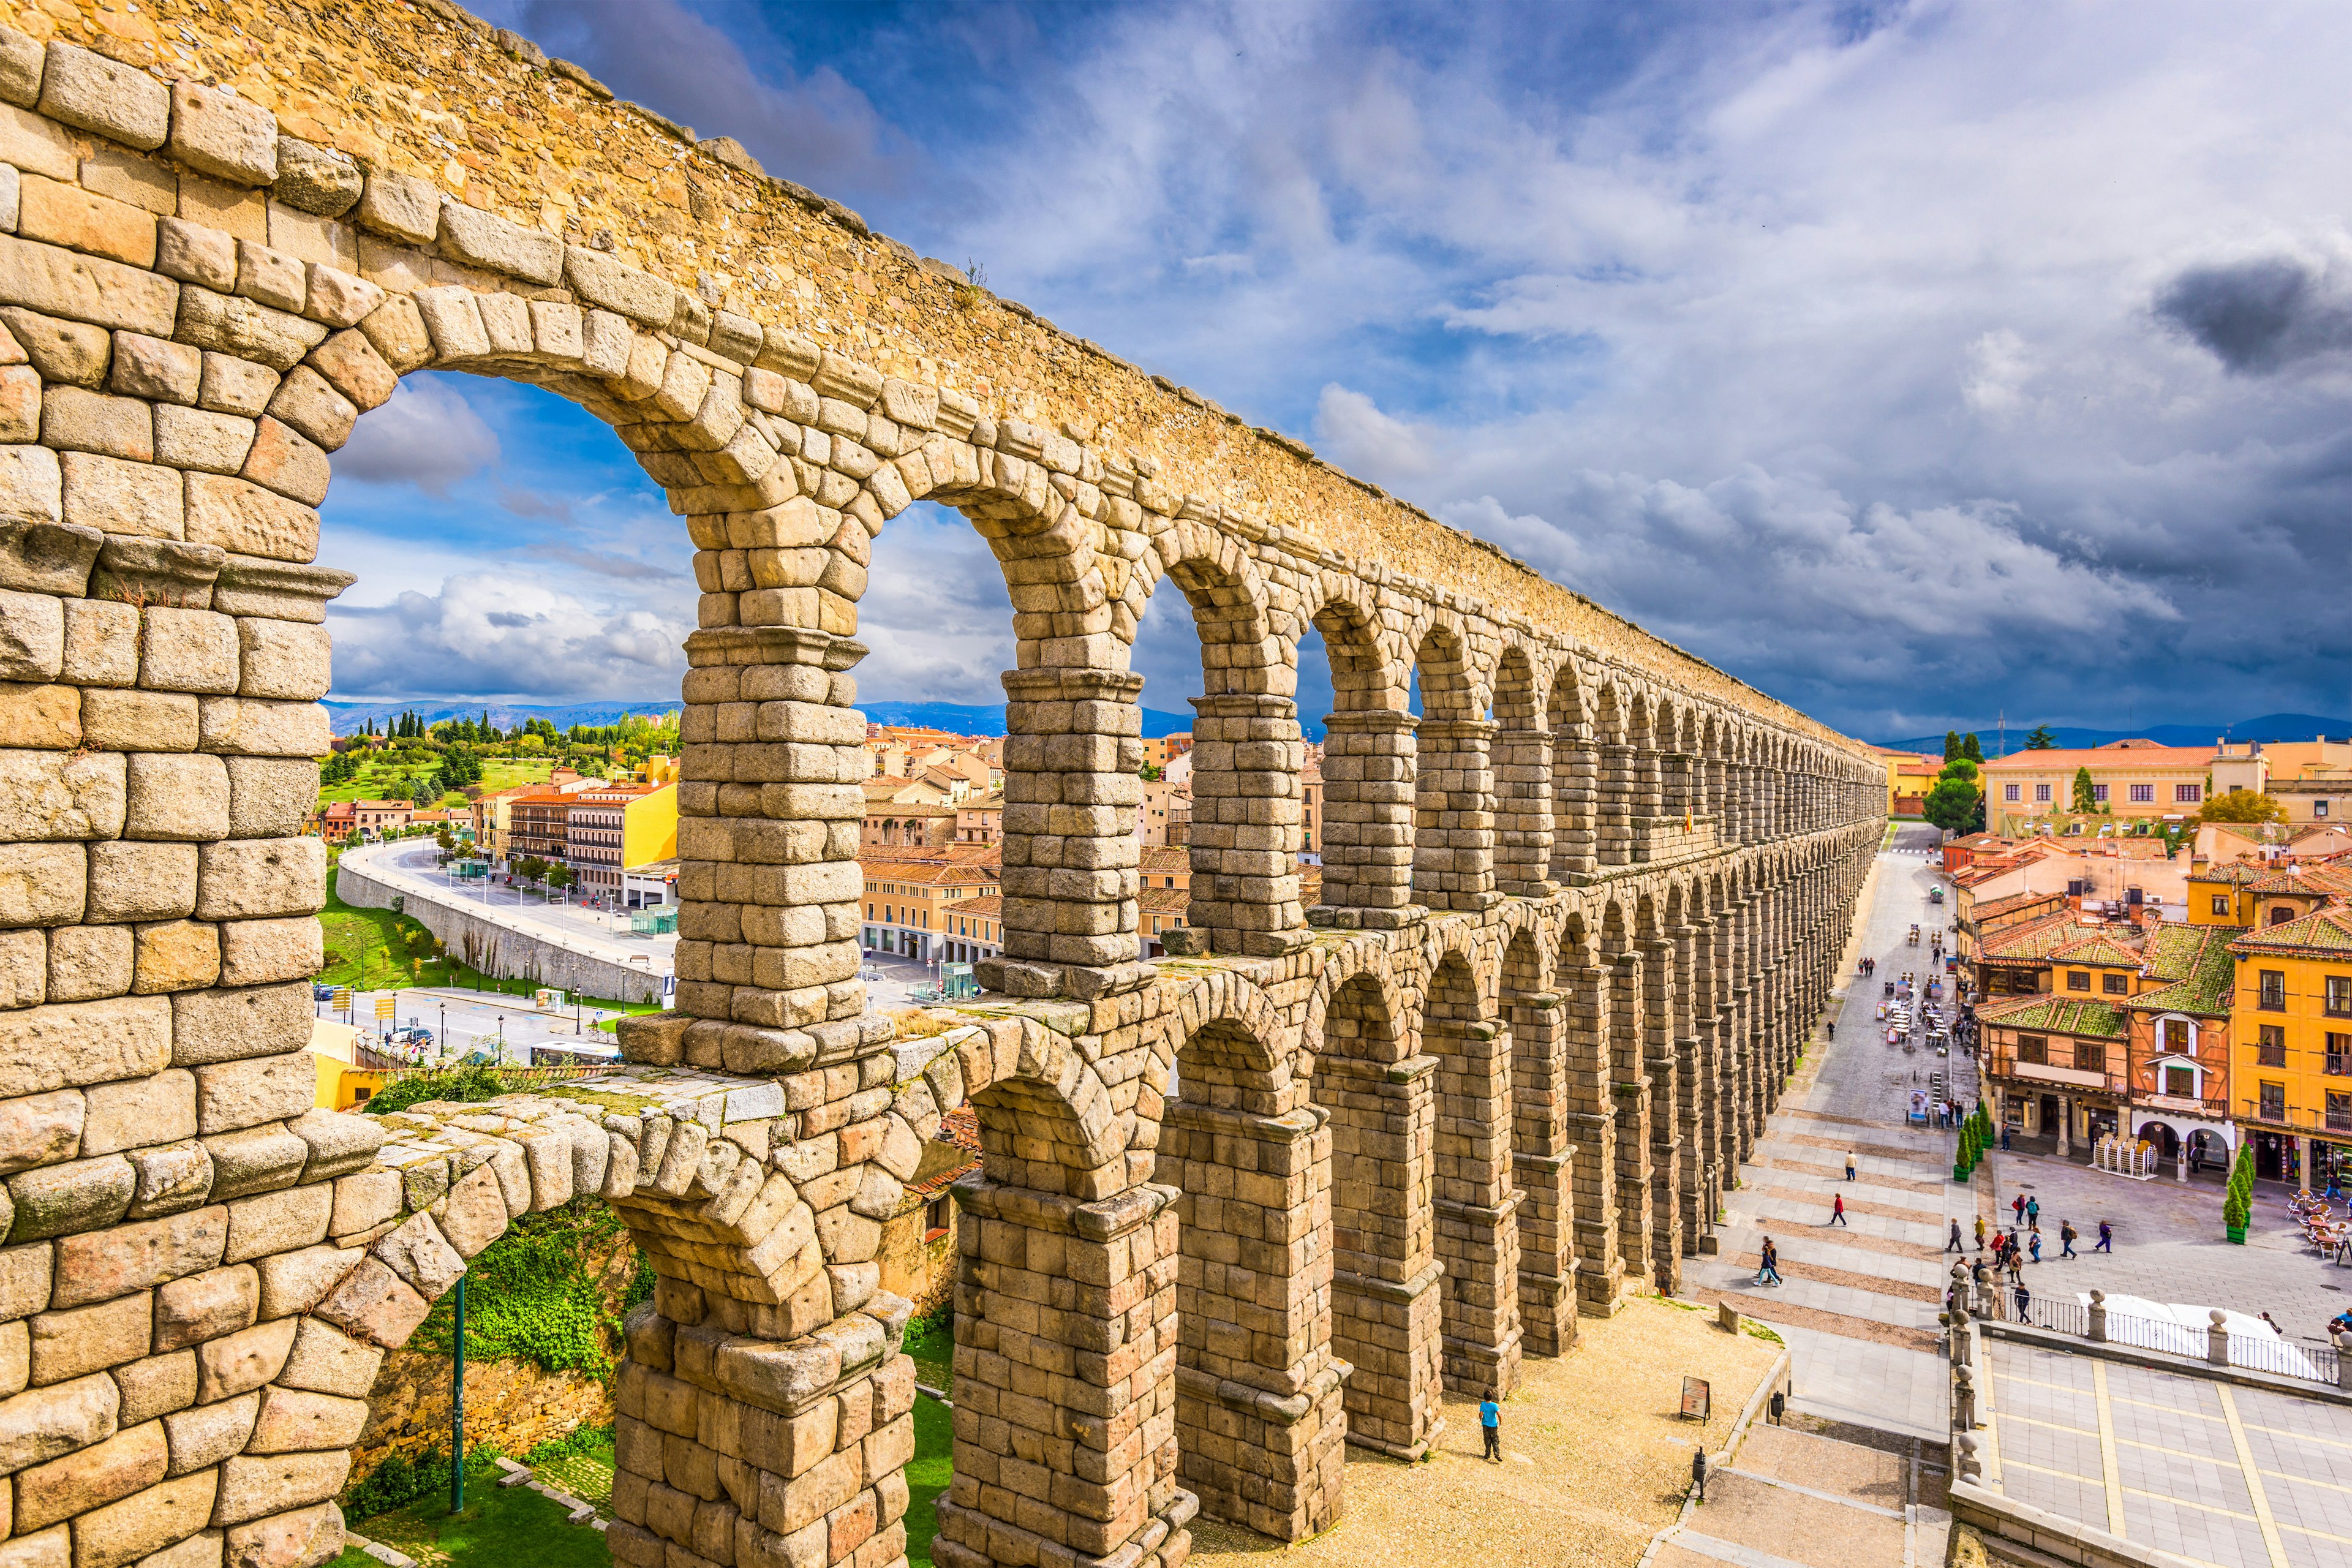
(612, 830)
(2291, 1043)
(2129, 779)
(342, 1084)
(1909, 776)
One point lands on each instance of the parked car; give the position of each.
(319, 992)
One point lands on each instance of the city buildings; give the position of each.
(2291, 1036)
(610, 830)
(909, 903)
(2129, 780)
(1909, 776)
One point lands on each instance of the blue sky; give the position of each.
(1907, 360)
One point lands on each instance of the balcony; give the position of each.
(2300, 1118)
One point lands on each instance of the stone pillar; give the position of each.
(1631, 1090)
(1248, 812)
(1661, 1067)
(1385, 1307)
(1575, 799)
(1454, 816)
(1478, 1241)
(2065, 1124)
(1368, 821)
(1066, 1391)
(1541, 1161)
(1071, 789)
(1613, 805)
(1258, 1407)
(770, 810)
(1522, 813)
(1593, 1128)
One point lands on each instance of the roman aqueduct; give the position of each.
(1579, 913)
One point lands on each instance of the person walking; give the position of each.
(2024, 1303)
(2034, 1247)
(2107, 1239)
(1490, 1421)
(1850, 1164)
(2033, 1212)
(1837, 1210)
(1980, 1233)
(2017, 1205)
(2066, 1239)
(2004, 1138)
(1769, 1273)
(1955, 1244)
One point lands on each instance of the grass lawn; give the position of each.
(927, 1475)
(380, 780)
(586, 1475)
(366, 949)
(502, 1526)
(931, 1342)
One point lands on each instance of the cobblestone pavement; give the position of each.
(1860, 1302)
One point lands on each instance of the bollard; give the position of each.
(1964, 1399)
(2342, 1359)
(2217, 1338)
(2099, 1317)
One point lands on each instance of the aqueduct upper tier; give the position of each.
(1238, 1208)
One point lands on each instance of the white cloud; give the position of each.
(500, 633)
(1358, 436)
(426, 435)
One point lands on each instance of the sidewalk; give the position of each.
(407, 867)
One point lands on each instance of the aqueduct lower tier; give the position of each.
(1237, 1208)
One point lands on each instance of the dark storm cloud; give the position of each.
(2260, 315)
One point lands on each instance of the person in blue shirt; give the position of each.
(1490, 1421)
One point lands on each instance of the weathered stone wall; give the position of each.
(1578, 914)
(510, 1406)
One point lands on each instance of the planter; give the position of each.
(2236, 1233)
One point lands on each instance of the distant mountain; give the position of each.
(345, 717)
(971, 719)
(2269, 726)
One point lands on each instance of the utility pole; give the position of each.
(458, 1409)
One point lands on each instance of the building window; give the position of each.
(2273, 1102)
(2339, 995)
(2090, 1056)
(2176, 1037)
(2339, 1111)
(2033, 1049)
(2181, 1082)
(2337, 1061)
(2187, 795)
(938, 1217)
(2143, 795)
(2078, 979)
(2319, 809)
(2221, 906)
(2274, 991)
(2116, 985)
(2041, 794)
(2009, 792)
(2270, 1050)
(2099, 793)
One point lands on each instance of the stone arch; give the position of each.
(1453, 778)
(1368, 761)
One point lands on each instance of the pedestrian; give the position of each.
(2033, 1212)
(2107, 1239)
(2024, 1303)
(1955, 1244)
(2004, 1138)
(2016, 1206)
(1850, 1164)
(1490, 1419)
(1837, 1210)
(2065, 1238)
(1770, 1274)
(1832, 1031)
(1980, 1233)
(2035, 1247)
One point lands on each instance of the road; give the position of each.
(411, 864)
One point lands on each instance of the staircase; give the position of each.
(1816, 1494)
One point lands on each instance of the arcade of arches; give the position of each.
(1238, 1208)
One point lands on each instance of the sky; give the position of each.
(1915, 363)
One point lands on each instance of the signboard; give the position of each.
(1918, 1105)
(384, 1006)
(1697, 1399)
(342, 998)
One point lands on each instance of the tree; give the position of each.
(2085, 803)
(2041, 739)
(1951, 745)
(2243, 806)
(1955, 805)
(1972, 747)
